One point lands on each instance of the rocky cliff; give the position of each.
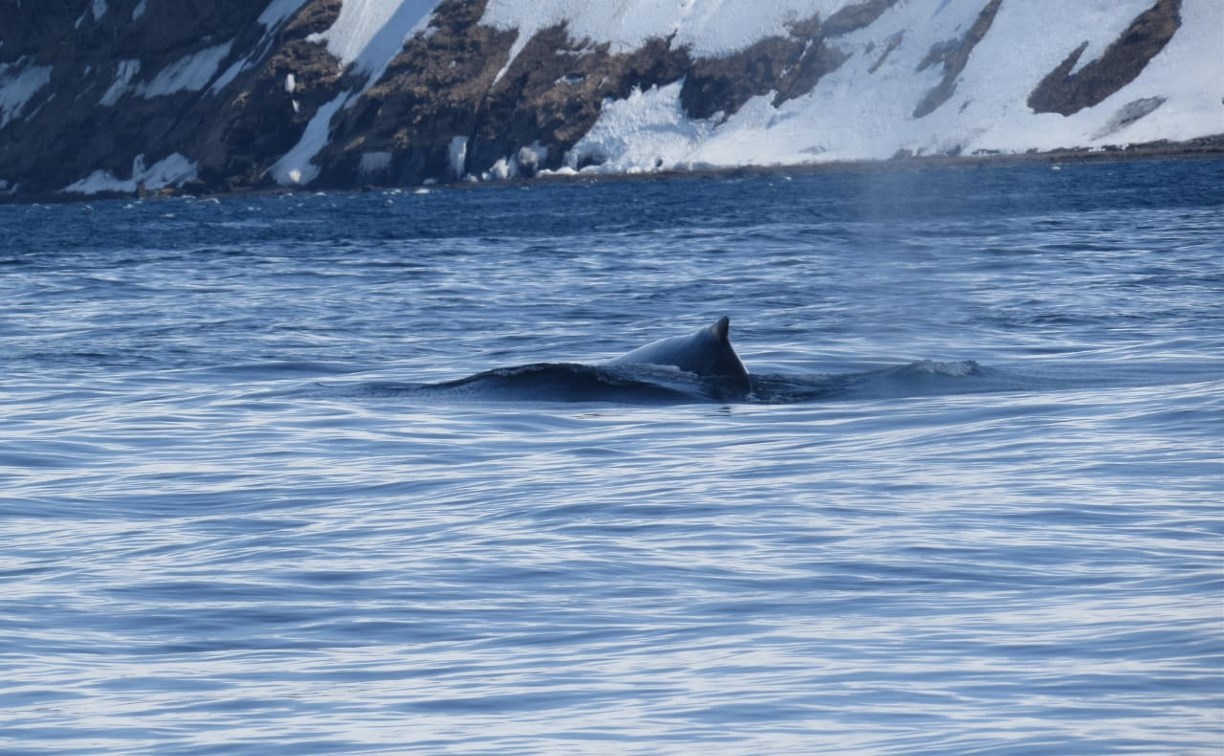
(216, 95)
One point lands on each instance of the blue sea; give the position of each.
(274, 480)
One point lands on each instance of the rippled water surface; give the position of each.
(971, 505)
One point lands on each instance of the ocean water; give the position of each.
(250, 501)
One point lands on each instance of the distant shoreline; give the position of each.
(1203, 148)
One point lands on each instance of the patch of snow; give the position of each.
(368, 34)
(191, 72)
(290, 83)
(1187, 73)
(373, 163)
(295, 167)
(19, 83)
(864, 111)
(853, 114)
(231, 73)
(646, 131)
(99, 9)
(125, 71)
(1129, 113)
(140, 9)
(1107, 22)
(173, 170)
(272, 17)
(999, 81)
(277, 11)
(458, 156)
(710, 28)
(501, 170)
(531, 157)
(41, 105)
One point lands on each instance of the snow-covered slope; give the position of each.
(342, 92)
(865, 110)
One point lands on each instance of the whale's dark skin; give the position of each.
(706, 356)
(707, 353)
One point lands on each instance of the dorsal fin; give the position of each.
(707, 353)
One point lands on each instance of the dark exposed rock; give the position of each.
(791, 65)
(549, 95)
(1129, 113)
(1066, 93)
(260, 121)
(953, 56)
(554, 90)
(855, 17)
(67, 131)
(234, 132)
(723, 85)
(816, 61)
(431, 93)
(893, 43)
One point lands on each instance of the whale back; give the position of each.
(707, 353)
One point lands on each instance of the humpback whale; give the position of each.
(707, 353)
(702, 367)
(710, 370)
